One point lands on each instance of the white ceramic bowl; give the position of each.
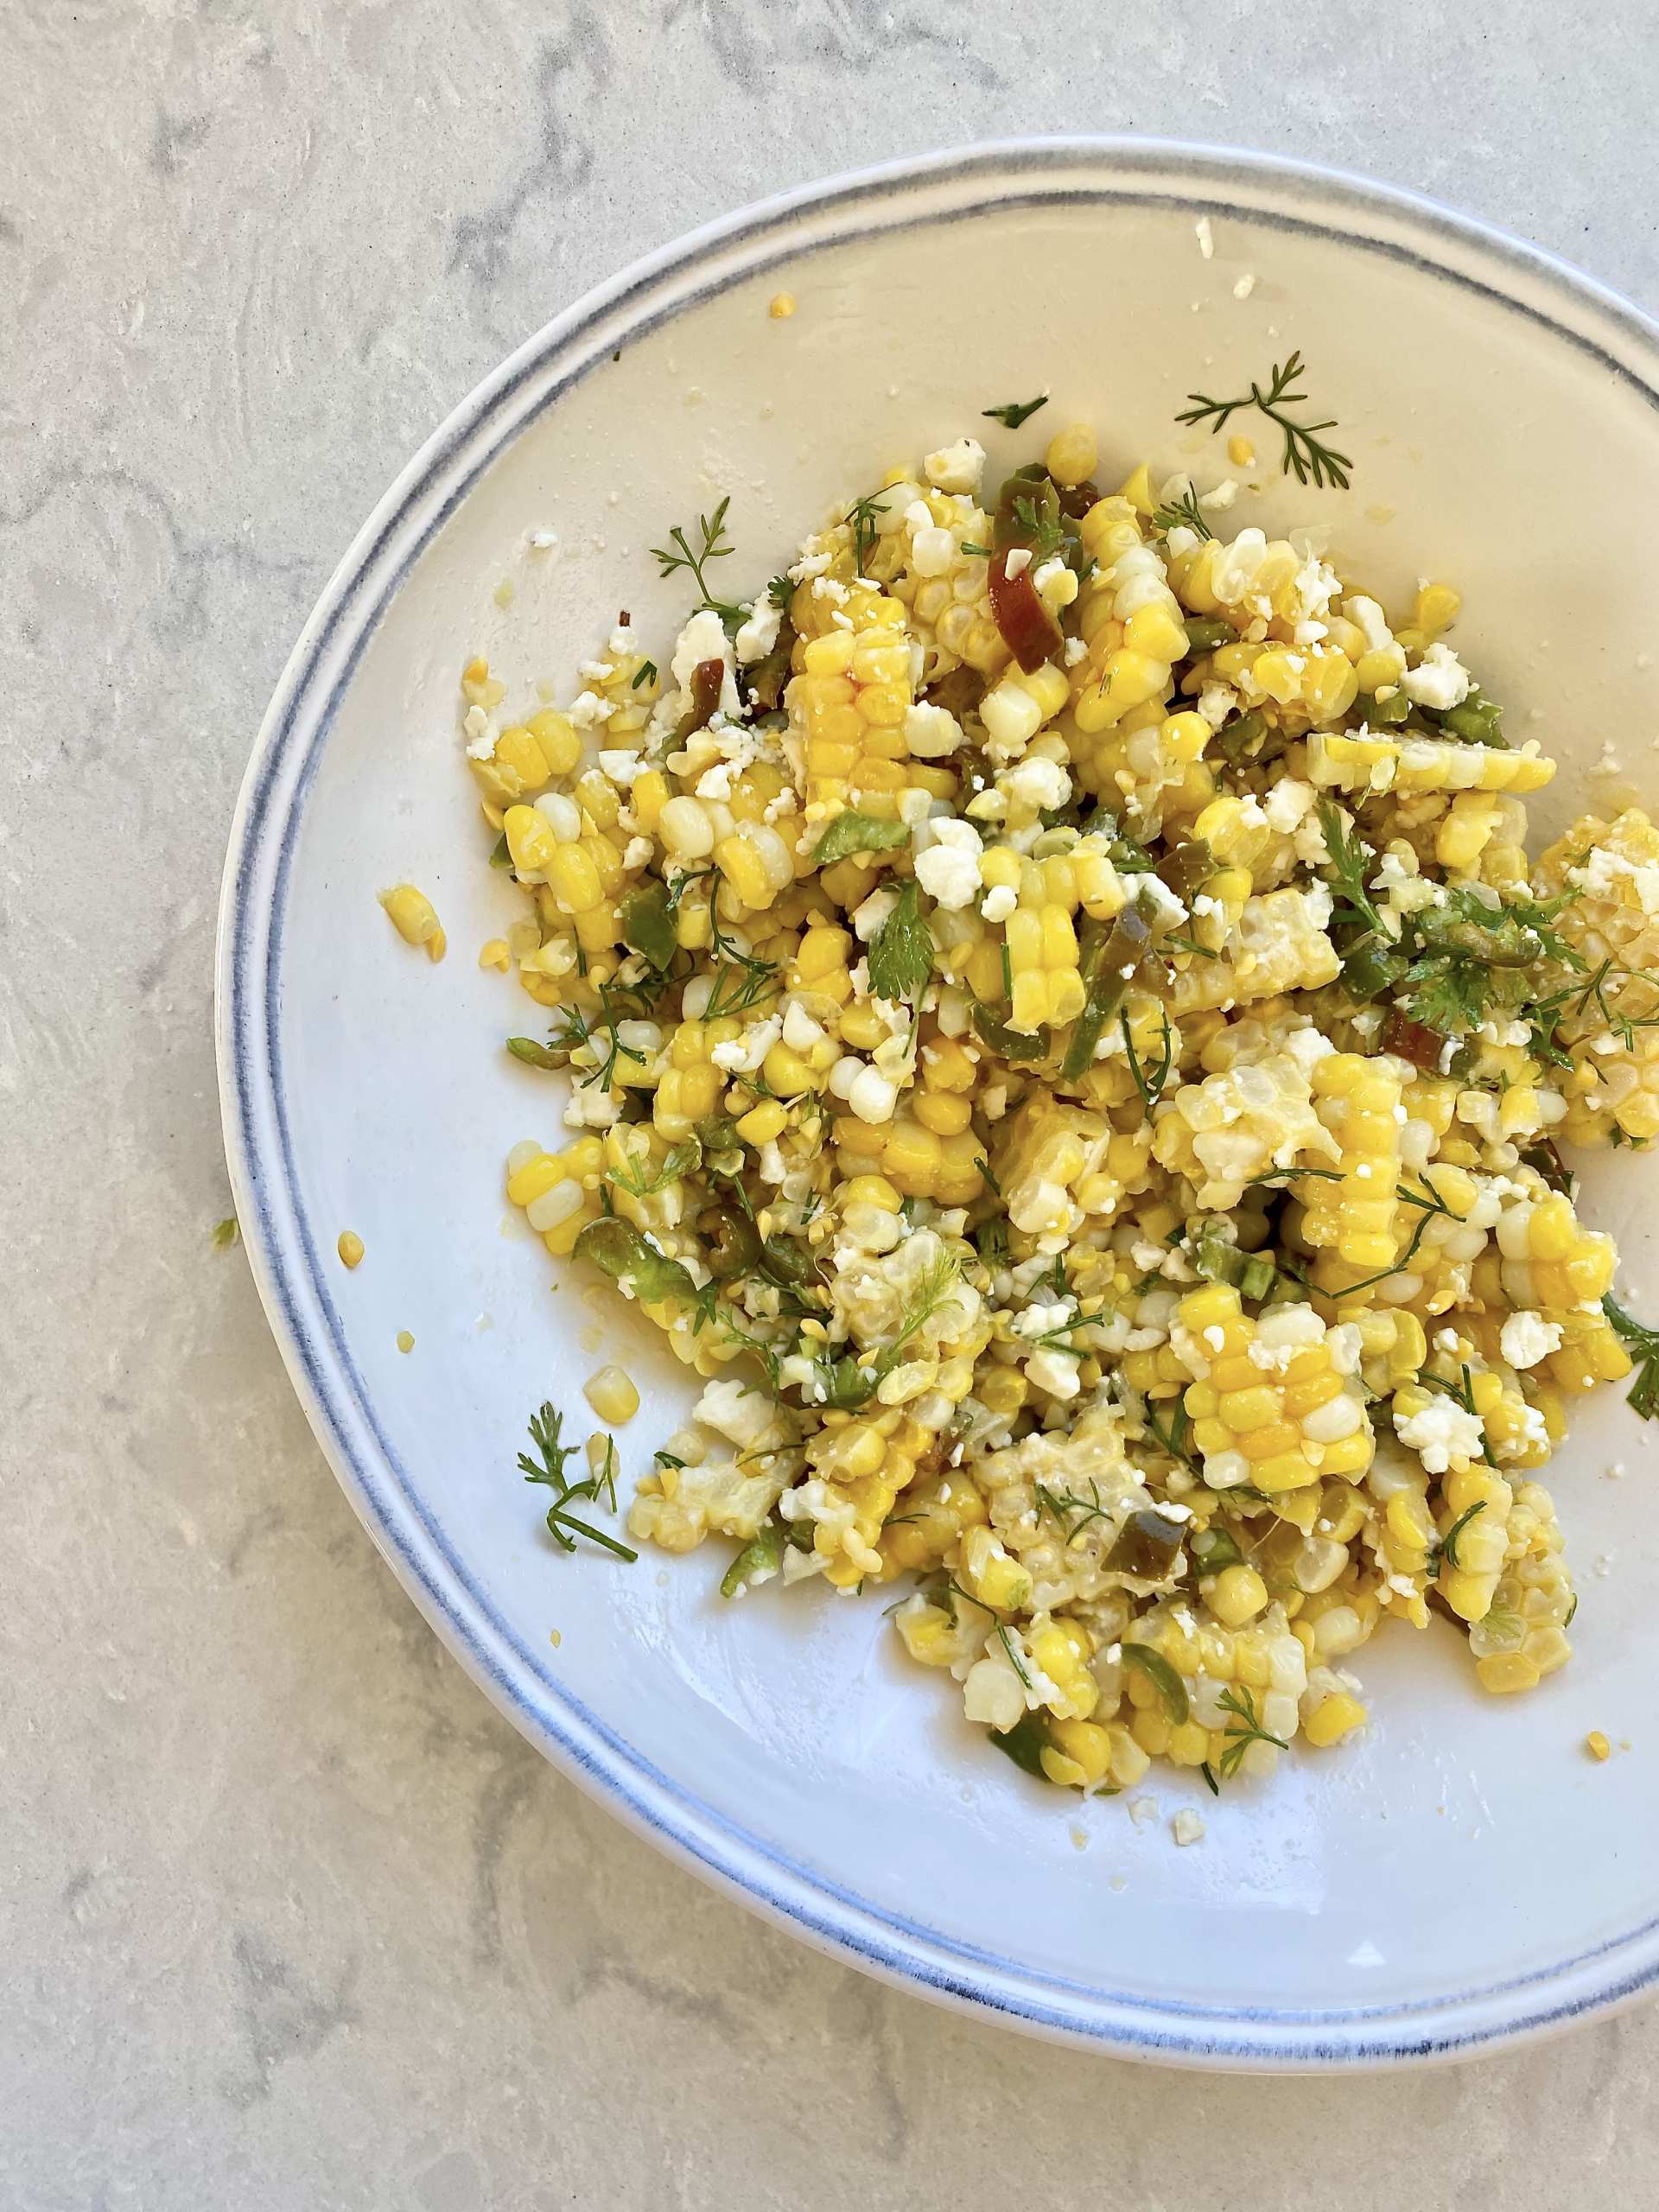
(1462, 1875)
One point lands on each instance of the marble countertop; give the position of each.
(291, 1917)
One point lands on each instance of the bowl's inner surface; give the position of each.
(1466, 1839)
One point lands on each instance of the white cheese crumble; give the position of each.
(758, 635)
(1440, 1432)
(1525, 1338)
(957, 467)
(1441, 681)
(948, 868)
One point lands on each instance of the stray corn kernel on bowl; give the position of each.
(936, 1029)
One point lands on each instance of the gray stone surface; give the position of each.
(289, 1917)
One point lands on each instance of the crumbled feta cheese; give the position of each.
(1441, 1433)
(1287, 802)
(1187, 1826)
(543, 541)
(1054, 1371)
(481, 738)
(1158, 903)
(620, 768)
(703, 638)
(1245, 286)
(1525, 1338)
(1215, 703)
(1000, 902)
(587, 711)
(1075, 650)
(1018, 561)
(1222, 497)
(932, 550)
(1441, 681)
(637, 852)
(1039, 784)
(957, 467)
(948, 868)
(758, 634)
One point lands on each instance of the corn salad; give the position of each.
(1062, 1038)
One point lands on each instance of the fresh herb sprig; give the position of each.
(1350, 858)
(1182, 514)
(1643, 1343)
(1242, 1730)
(549, 1468)
(1306, 455)
(1014, 412)
(901, 951)
(1043, 535)
(1149, 1080)
(1445, 1554)
(861, 516)
(714, 545)
(1062, 1505)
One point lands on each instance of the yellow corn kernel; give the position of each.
(405, 1340)
(415, 920)
(558, 738)
(350, 1248)
(1082, 1745)
(1435, 609)
(1333, 1718)
(1505, 1672)
(764, 1123)
(781, 306)
(496, 954)
(1237, 1595)
(1155, 631)
(1072, 453)
(1136, 488)
(612, 1396)
(991, 1575)
(1003, 1391)
(1598, 1745)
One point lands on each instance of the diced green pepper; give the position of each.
(1024, 1743)
(648, 925)
(1214, 1548)
(852, 832)
(1158, 1671)
(758, 1561)
(621, 1251)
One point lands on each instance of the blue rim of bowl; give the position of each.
(286, 1259)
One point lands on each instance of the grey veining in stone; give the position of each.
(288, 1917)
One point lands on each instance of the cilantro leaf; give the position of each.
(901, 951)
(1643, 1343)
(1350, 858)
